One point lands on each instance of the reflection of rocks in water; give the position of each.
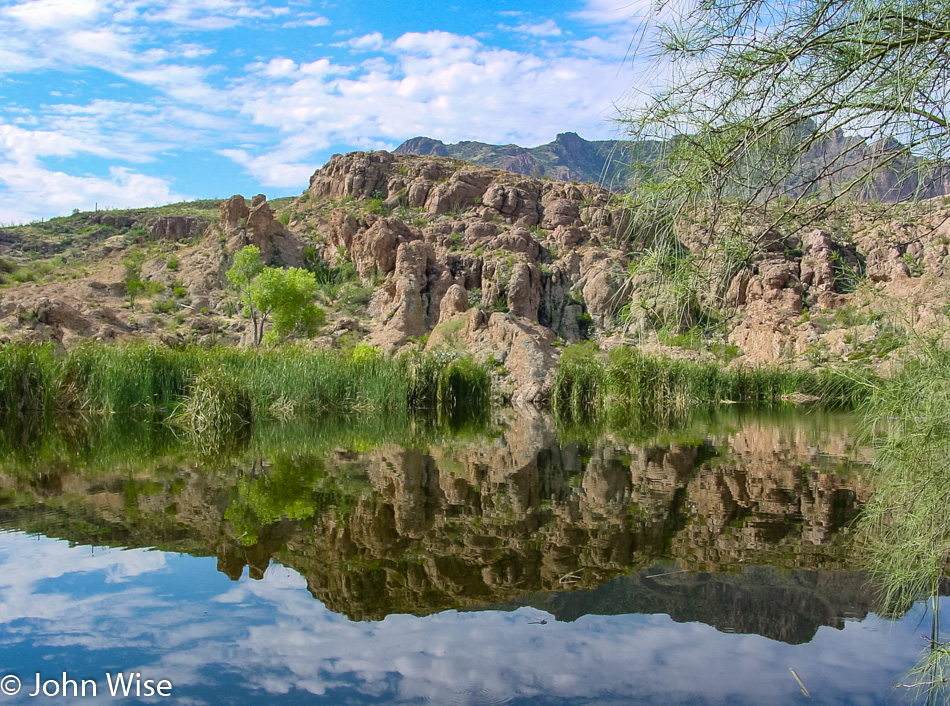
(469, 522)
(789, 607)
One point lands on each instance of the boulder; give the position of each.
(454, 302)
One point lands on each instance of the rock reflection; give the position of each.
(502, 520)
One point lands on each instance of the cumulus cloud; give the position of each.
(54, 13)
(29, 190)
(277, 169)
(436, 83)
(368, 42)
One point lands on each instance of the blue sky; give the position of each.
(133, 102)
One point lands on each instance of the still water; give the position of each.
(713, 563)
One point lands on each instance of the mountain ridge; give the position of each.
(568, 158)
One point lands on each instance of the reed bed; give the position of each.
(200, 385)
(588, 384)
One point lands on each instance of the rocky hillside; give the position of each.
(434, 252)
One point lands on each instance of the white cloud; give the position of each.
(105, 43)
(318, 21)
(30, 190)
(54, 13)
(208, 15)
(368, 42)
(607, 12)
(548, 28)
(277, 169)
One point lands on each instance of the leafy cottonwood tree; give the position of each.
(287, 296)
(284, 295)
(770, 109)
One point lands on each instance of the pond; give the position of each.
(713, 563)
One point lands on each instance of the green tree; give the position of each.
(132, 280)
(765, 112)
(287, 297)
(757, 85)
(246, 266)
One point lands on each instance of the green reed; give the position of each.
(279, 383)
(626, 382)
(906, 524)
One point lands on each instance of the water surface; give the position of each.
(523, 565)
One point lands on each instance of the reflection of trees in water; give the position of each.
(440, 521)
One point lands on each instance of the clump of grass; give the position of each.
(27, 378)
(578, 382)
(463, 392)
(122, 378)
(217, 407)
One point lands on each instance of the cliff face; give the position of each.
(487, 521)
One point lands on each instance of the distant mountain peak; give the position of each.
(570, 156)
(424, 146)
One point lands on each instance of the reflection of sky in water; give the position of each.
(171, 616)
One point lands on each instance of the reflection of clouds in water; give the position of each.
(273, 636)
(26, 562)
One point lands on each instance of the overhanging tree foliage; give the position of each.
(771, 109)
(756, 86)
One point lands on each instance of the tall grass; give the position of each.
(27, 379)
(588, 384)
(905, 526)
(280, 383)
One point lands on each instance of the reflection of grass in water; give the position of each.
(92, 443)
(704, 422)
